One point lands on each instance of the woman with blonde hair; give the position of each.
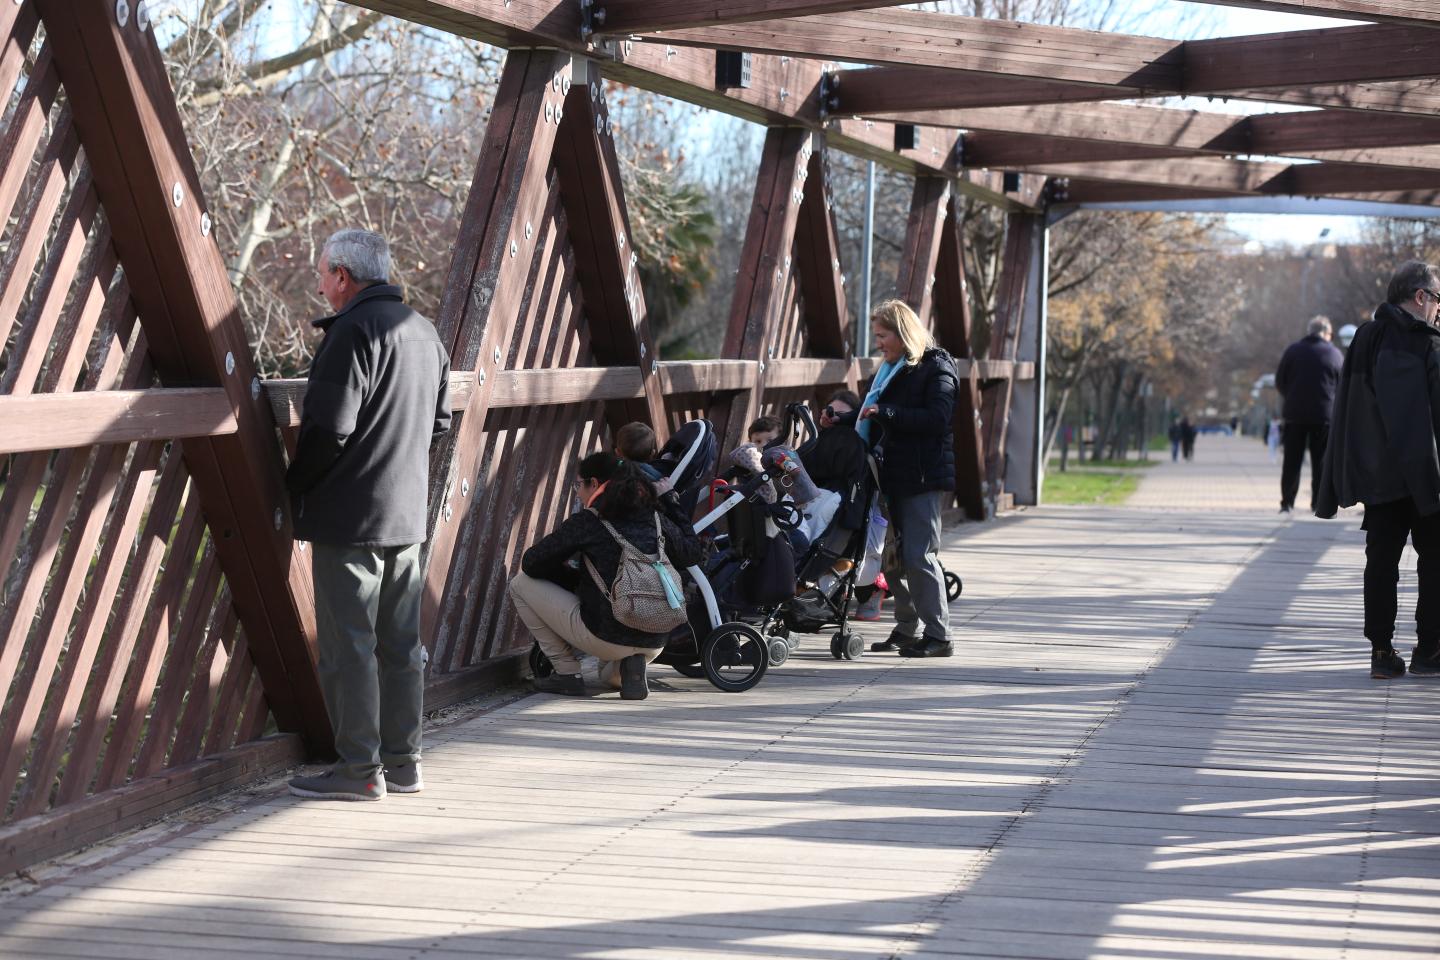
(907, 417)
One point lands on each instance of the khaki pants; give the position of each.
(552, 614)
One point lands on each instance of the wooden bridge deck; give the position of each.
(1158, 739)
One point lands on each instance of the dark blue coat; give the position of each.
(916, 416)
(1307, 377)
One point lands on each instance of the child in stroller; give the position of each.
(717, 642)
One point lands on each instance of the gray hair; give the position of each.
(1318, 325)
(1411, 277)
(364, 254)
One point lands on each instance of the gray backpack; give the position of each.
(646, 593)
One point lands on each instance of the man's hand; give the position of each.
(870, 411)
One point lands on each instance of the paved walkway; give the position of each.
(1228, 473)
(1158, 739)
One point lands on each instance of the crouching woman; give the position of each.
(561, 593)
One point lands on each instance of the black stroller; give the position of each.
(717, 643)
(821, 609)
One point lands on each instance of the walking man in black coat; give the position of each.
(1383, 454)
(1307, 377)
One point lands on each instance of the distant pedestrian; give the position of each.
(378, 393)
(1308, 374)
(1177, 436)
(1272, 438)
(1382, 453)
(1188, 432)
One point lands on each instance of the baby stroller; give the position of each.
(822, 609)
(715, 643)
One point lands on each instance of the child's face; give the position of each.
(762, 437)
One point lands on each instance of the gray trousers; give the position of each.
(919, 583)
(367, 611)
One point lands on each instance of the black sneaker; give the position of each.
(565, 684)
(404, 778)
(633, 685)
(331, 785)
(929, 648)
(1425, 665)
(1386, 665)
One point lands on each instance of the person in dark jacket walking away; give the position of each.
(908, 415)
(378, 393)
(561, 603)
(1382, 453)
(1308, 374)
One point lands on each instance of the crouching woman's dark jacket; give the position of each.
(1387, 416)
(836, 460)
(916, 414)
(584, 536)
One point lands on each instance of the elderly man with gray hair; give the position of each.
(1308, 374)
(378, 393)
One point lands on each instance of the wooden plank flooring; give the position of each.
(1157, 739)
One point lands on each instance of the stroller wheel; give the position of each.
(735, 657)
(847, 646)
(540, 665)
(692, 670)
(954, 586)
(779, 649)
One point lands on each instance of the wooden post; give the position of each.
(822, 283)
(1004, 338)
(125, 113)
(605, 256)
(486, 286)
(765, 266)
(952, 331)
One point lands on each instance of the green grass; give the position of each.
(1089, 487)
(1054, 465)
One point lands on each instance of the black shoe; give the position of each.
(566, 684)
(1386, 665)
(892, 642)
(632, 678)
(1285, 509)
(1425, 665)
(929, 648)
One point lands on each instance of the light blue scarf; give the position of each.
(883, 376)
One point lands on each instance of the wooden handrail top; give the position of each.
(59, 421)
(536, 388)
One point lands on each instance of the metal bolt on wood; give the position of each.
(255, 388)
(528, 230)
(204, 224)
(142, 15)
(465, 487)
(122, 12)
(177, 194)
(229, 362)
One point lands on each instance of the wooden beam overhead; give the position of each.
(1136, 64)
(1219, 175)
(917, 38)
(1011, 136)
(896, 92)
(647, 16)
(1422, 13)
(783, 90)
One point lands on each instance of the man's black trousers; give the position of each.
(1298, 437)
(1387, 527)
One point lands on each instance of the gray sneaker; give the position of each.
(330, 785)
(404, 778)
